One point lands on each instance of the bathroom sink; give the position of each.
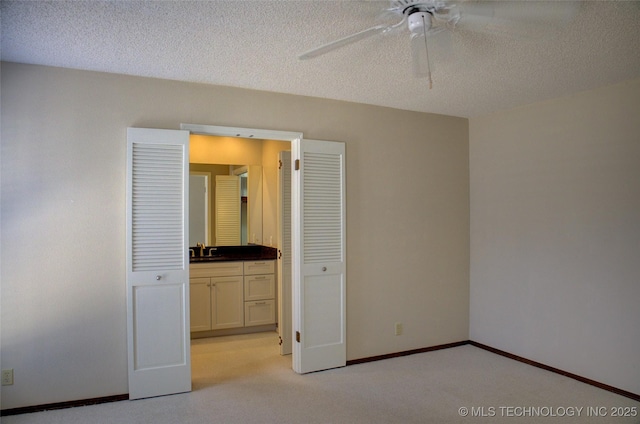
(234, 253)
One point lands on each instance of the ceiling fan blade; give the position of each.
(420, 55)
(343, 42)
(515, 18)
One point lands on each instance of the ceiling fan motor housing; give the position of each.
(419, 22)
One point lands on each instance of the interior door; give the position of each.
(319, 261)
(228, 212)
(157, 262)
(284, 253)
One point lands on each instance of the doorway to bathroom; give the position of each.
(158, 274)
(261, 162)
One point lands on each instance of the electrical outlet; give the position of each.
(7, 377)
(398, 328)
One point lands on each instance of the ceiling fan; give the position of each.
(424, 18)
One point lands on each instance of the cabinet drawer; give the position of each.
(258, 287)
(259, 313)
(217, 269)
(258, 267)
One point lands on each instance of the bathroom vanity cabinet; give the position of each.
(233, 294)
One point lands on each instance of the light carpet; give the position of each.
(243, 379)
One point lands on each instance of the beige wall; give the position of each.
(63, 218)
(270, 150)
(555, 233)
(225, 150)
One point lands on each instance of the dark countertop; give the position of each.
(250, 252)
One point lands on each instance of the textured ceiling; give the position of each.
(254, 44)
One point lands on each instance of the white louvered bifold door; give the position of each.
(228, 214)
(319, 261)
(157, 262)
(284, 254)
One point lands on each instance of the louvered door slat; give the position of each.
(285, 318)
(228, 210)
(322, 207)
(157, 203)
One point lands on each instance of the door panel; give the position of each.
(163, 352)
(323, 297)
(157, 264)
(200, 303)
(228, 210)
(319, 270)
(284, 261)
(227, 302)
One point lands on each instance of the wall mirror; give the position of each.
(225, 191)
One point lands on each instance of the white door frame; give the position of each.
(258, 134)
(241, 132)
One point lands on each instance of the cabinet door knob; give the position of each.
(324, 268)
(158, 277)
